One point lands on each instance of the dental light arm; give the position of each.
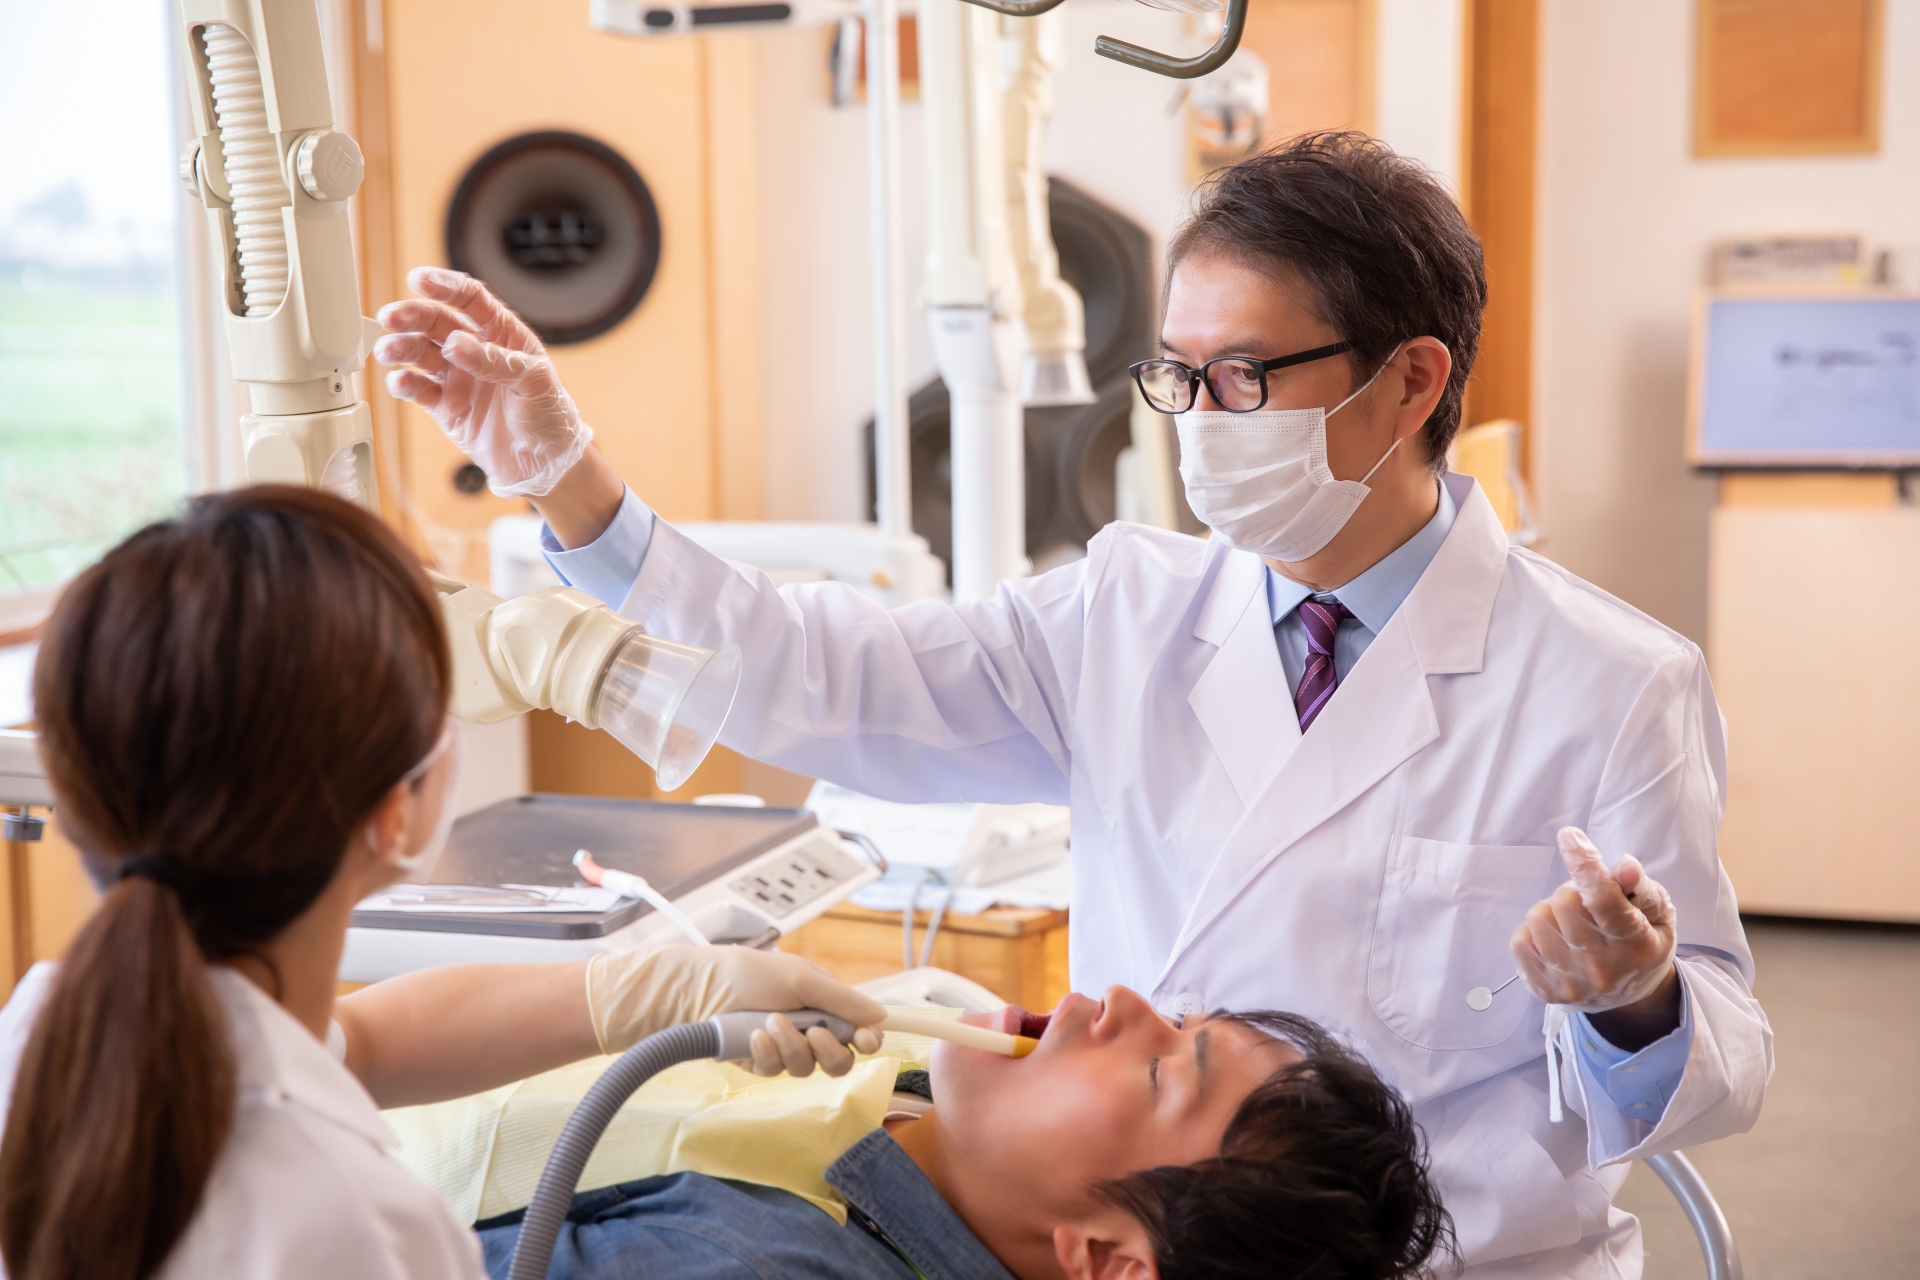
(1136, 56)
(275, 177)
(1055, 368)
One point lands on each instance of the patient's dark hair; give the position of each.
(1380, 242)
(1321, 1176)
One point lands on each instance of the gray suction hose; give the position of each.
(724, 1037)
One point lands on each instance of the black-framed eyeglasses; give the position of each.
(1238, 383)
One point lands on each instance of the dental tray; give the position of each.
(530, 841)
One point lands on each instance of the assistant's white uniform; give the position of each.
(1368, 875)
(302, 1189)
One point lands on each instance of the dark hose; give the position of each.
(540, 1228)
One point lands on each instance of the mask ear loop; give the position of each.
(416, 775)
(1356, 394)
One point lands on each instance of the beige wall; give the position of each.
(1626, 216)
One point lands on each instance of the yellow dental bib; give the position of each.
(484, 1153)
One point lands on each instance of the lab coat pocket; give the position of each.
(1446, 914)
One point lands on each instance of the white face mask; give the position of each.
(1260, 480)
(418, 865)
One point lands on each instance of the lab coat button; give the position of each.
(1189, 1004)
(1639, 1106)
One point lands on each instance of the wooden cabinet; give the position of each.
(47, 898)
(1019, 954)
(1814, 647)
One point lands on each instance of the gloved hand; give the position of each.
(1591, 946)
(632, 994)
(486, 379)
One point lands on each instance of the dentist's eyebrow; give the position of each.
(1200, 1057)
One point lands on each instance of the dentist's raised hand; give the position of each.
(486, 379)
(1603, 944)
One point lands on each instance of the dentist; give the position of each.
(1353, 755)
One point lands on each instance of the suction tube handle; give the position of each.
(736, 1029)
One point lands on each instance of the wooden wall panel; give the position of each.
(47, 898)
(673, 392)
(441, 82)
(1503, 42)
(1787, 77)
(1319, 56)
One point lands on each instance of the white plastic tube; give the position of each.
(253, 167)
(629, 885)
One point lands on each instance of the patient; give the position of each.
(1123, 1148)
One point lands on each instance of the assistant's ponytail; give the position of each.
(124, 1098)
(219, 700)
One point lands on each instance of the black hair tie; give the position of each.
(158, 870)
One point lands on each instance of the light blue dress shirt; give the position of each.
(1639, 1083)
(606, 567)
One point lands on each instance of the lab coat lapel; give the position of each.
(1382, 713)
(1242, 699)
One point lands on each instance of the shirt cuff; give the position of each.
(606, 567)
(1640, 1084)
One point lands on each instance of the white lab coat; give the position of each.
(1368, 877)
(302, 1190)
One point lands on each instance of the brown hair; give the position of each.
(225, 695)
(1382, 245)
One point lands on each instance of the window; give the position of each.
(92, 362)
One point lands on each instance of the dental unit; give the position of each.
(275, 176)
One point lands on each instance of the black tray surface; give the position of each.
(531, 840)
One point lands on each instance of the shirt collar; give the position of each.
(881, 1180)
(278, 1058)
(1377, 592)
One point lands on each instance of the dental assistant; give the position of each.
(243, 716)
(1352, 756)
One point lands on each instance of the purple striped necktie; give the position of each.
(1322, 622)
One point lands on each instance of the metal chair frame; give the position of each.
(1703, 1213)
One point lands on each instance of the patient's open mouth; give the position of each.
(1017, 1021)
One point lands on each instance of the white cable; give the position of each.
(254, 181)
(933, 925)
(629, 885)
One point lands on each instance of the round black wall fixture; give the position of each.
(562, 228)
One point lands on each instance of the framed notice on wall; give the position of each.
(1805, 380)
(1786, 77)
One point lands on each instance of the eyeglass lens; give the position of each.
(1237, 384)
(1167, 386)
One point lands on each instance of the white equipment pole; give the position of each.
(892, 450)
(973, 294)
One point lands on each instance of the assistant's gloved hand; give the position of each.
(633, 994)
(1589, 945)
(486, 379)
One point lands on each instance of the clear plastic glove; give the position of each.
(486, 379)
(1603, 940)
(632, 994)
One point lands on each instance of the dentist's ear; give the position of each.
(1107, 1244)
